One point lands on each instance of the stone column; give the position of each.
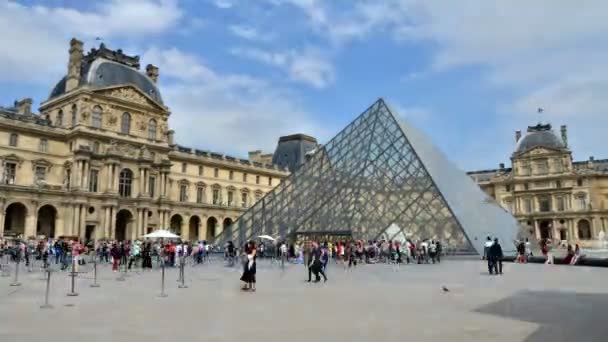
(2, 214)
(202, 231)
(146, 186)
(144, 228)
(85, 178)
(31, 222)
(106, 223)
(76, 174)
(536, 229)
(185, 230)
(116, 177)
(75, 219)
(139, 223)
(83, 226)
(112, 223)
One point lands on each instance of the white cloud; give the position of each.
(223, 4)
(38, 35)
(217, 110)
(249, 33)
(307, 66)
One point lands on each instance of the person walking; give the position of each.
(486, 248)
(314, 265)
(495, 255)
(249, 267)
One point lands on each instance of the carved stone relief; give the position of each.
(128, 95)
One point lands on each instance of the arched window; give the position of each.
(125, 124)
(124, 183)
(152, 129)
(96, 117)
(74, 114)
(59, 118)
(584, 230)
(96, 147)
(13, 139)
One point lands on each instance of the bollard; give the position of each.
(16, 280)
(162, 283)
(48, 289)
(94, 274)
(182, 285)
(73, 275)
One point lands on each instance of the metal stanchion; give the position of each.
(162, 284)
(122, 273)
(72, 293)
(182, 270)
(5, 269)
(48, 289)
(16, 280)
(94, 274)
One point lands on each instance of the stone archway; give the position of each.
(211, 227)
(193, 225)
(584, 230)
(47, 218)
(227, 225)
(124, 224)
(176, 224)
(545, 229)
(14, 219)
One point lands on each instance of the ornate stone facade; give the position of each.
(551, 195)
(99, 161)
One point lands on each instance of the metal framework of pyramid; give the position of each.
(379, 178)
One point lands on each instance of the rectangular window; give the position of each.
(269, 181)
(231, 175)
(581, 202)
(44, 145)
(40, 174)
(558, 184)
(93, 175)
(244, 177)
(257, 179)
(151, 185)
(200, 170)
(579, 182)
(216, 196)
(528, 205)
(561, 204)
(230, 198)
(184, 167)
(244, 200)
(544, 204)
(507, 187)
(216, 172)
(526, 186)
(183, 193)
(12, 141)
(10, 171)
(199, 194)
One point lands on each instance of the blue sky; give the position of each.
(237, 74)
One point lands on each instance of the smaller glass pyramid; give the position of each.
(378, 178)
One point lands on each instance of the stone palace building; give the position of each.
(549, 193)
(100, 161)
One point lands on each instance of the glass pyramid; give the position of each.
(378, 178)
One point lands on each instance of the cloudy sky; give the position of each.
(237, 74)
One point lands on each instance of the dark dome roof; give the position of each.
(101, 73)
(539, 135)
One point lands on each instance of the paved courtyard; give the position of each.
(375, 302)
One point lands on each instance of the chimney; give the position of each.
(254, 156)
(171, 137)
(502, 166)
(152, 72)
(564, 135)
(74, 65)
(517, 135)
(24, 106)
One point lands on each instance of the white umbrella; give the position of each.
(161, 233)
(267, 237)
